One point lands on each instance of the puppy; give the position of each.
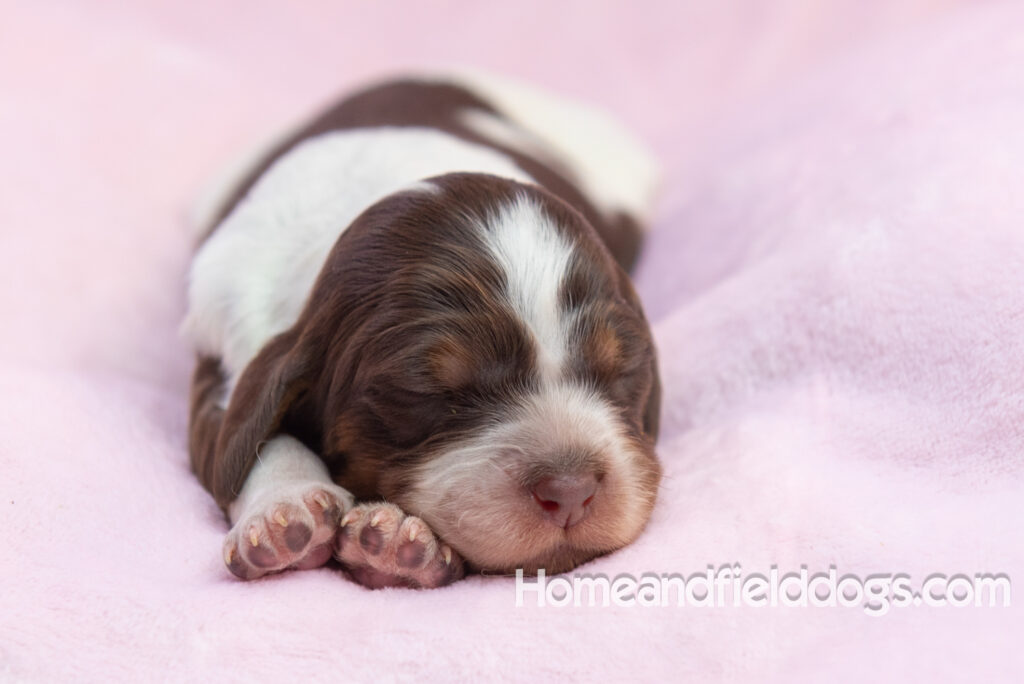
(418, 349)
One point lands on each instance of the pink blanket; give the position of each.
(835, 279)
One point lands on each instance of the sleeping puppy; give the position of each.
(418, 349)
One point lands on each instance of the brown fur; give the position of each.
(437, 105)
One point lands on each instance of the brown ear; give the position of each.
(652, 411)
(652, 404)
(224, 444)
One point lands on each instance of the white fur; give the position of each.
(613, 168)
(499, 130)
(222, 186)
(535, 258)
(285, 469)
(250, 280)
(481, 476)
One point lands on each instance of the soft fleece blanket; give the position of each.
(835, 281)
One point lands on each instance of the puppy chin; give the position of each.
(500, 531)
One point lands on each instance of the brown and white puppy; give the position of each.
(419, 302)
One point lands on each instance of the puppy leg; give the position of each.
(287, 513)
(381, 546)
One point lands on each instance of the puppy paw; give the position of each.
(289, 528)
(381, 546)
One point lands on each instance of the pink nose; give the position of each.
(565, 498)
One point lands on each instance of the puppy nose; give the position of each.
(564, 499)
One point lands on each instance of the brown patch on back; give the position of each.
(409, 102)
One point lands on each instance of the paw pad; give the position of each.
(289, 529)
(380, 546)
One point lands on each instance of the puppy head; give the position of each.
(485, 364)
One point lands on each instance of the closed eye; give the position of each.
(406, 418)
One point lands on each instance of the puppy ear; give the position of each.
(652, 403)
(272, 382)
(652, 410)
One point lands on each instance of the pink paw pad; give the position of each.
(295, 530)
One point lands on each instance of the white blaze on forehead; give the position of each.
(535, 258)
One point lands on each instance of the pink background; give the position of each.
(835, 280)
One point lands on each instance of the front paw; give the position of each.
(292, 527)
(381, 546)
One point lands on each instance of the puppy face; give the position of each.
(488, 368)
